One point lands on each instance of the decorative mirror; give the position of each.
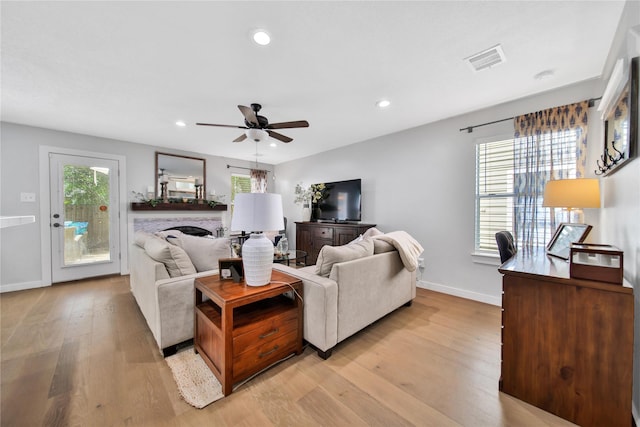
(621, 126)
(180, 177)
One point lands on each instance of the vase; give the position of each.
(315, 212)
(306, 214)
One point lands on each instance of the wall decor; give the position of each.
(621, 125)
(180, 177)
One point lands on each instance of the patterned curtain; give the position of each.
(258, 181)
(548, 144)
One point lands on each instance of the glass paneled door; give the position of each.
(84, 217)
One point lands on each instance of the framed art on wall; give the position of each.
(621, 125)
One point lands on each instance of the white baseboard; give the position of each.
(12, 287)
(475, 296)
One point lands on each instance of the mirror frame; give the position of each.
(203, 176)
(622, 115)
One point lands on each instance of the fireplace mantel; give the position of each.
(177, 207)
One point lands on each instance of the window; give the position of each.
(494, 191)
(239, 184)
(500, 168)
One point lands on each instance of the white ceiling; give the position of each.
(130, 70)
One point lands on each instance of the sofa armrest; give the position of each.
(175, 308)
(320, 307)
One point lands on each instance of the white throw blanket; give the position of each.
(407, 246)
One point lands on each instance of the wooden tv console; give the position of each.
(312, 236)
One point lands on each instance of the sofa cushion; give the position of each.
(330, 255)
(204, 252)
(173, 257)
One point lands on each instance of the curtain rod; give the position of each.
(469, 129)
(242, 167)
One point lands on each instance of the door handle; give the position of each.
(55, 224)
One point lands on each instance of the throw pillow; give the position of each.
(356, 240)
(371, 232)
(140, 237)
(173, 257)
(330, 255)
(203, 251)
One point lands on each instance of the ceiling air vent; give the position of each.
(486, 59)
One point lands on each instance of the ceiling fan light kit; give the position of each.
(256, 135)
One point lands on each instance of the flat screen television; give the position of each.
(341, 201)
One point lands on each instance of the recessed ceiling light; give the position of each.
(543, 75)
(261, 37)
(181, 123)
(273, 144)
(383, 103)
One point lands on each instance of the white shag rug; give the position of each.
(196, 383)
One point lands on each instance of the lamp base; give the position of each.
(257, 260)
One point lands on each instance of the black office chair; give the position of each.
(506, 245)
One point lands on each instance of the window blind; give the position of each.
(494, 192)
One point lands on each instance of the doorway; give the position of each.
(84, 216)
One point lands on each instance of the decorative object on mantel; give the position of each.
(620, 105)
(141, 203)
(176, 206)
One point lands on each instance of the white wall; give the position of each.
(620, 215)
(422, 180)
(20, 259)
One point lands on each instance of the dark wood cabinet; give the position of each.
(312, 236)
(567, 344)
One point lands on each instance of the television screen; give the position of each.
(341, 201)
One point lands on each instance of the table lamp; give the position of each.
(257, 212)
(572, 194)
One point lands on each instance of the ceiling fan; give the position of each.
(258, 127)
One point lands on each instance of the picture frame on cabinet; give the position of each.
(566, 234)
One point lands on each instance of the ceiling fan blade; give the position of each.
(223, 126)
(240, 138)
(249, 114)
(289, 125)
(279, 136)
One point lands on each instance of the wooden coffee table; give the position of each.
(242, 329)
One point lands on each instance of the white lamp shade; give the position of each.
(257, 212)
(572, 193)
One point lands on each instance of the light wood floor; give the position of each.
(80, 354)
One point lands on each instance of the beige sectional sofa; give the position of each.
(349, 288)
